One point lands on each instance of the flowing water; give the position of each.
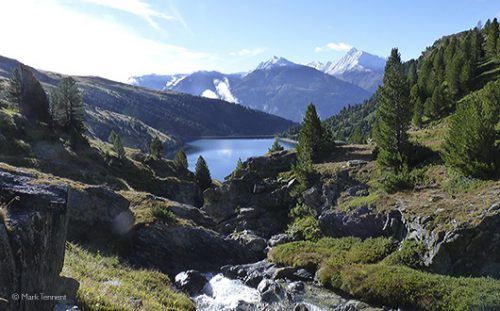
(223, 294)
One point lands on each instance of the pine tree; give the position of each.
(418, 106)
(156, 148)
(394, 115)
(276, 147)
(202, 174)
(311, 137)
(357, 136)
(67, 105)
(118, 148)
(412, 73)
(180, 159)
(492, 33)
(470, 144)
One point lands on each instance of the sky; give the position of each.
(117, 39)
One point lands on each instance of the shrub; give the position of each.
(163, 213)
(370, 270)
(410, 255)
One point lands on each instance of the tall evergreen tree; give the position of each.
(156, 147)
(180, 159)
(492, 33)
(412, 73)
(418, 106)
(470, 144)
(312, 135)
(394, 115)
(202, 174)
(67, 105)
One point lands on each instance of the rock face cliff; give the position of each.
(32, 237)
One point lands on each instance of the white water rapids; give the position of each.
(223, 294)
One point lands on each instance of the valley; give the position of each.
(363, 184)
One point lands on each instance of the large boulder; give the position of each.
(191, 282)
(33, 101)
(32, 237)
(363, 221)
(173, 249)
(99, 208)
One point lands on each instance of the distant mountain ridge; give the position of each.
(281, 87)
(138, 113)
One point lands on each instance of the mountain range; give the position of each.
(281, 87)
(137, 114)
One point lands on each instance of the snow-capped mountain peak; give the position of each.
(274, 62)
(356, 60)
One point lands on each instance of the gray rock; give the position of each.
(255, 244)
(191, 282)
(172, 249)
(99, 208)
(356, 163)
(278, 239)
(296, 287)
(32, 238)
(271, 292)
(300, 307)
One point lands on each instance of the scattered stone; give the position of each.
(296, 287)
(191, 282)
(135, 302)
(278, 239)
(356, 163)
(300, 307)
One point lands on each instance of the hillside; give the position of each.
(138, 113)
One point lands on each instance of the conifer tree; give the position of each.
(67, 105)
(492, 33)
(276, 147)
(180, 159)
(118, 148)
(394, 115)
(156, 148)
(311, 137)
(202, 174)
(412, 73)
(418, 106)
(470, 143)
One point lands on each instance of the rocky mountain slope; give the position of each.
(357, 67)
(138, 113)
(277, 86)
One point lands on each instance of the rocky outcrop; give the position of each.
(463, 250)
(32, 237)
(172, 249)
(363, 221)
(99, 208)
(254, 197)
(33, 101)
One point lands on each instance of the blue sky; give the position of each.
(120, 38)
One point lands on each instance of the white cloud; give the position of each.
(135, 7)
(248, 52)
(339, 47)
(48, 35)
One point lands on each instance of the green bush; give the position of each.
(410, 255)
(163, 213)
(305, 228)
